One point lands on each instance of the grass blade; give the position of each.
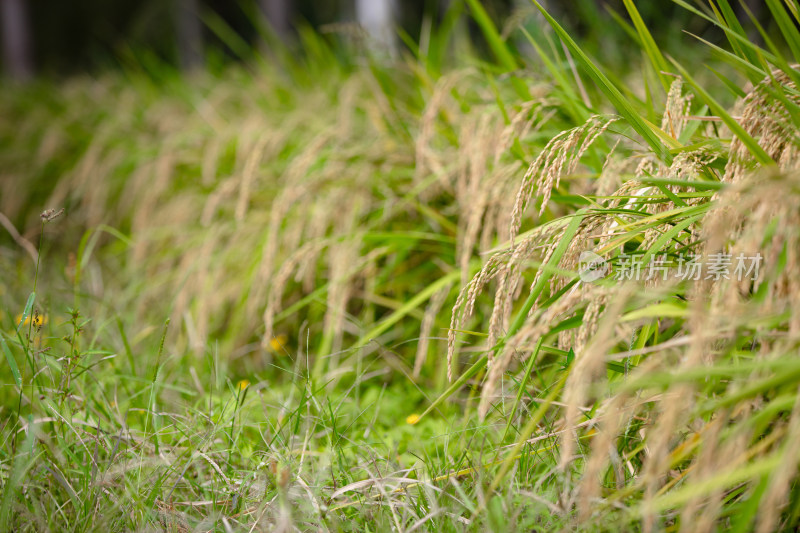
(496, 43)
(12, 363)
(649, 45)
(611, 91)
(26, 313)
(409, 306)
(787, 26)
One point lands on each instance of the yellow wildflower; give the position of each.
(39, 320)
(412, 419)
(242, 385)
(277, 343)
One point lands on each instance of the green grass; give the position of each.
(246, 316)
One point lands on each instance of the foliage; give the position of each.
(262, 281)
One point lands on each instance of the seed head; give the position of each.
(51, 214)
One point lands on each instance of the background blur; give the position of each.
(57, 37)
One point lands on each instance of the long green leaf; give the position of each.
(570, 99)
(727, 478)
(12, 363)
(409, 306)
(654, 54)
(727, 18)
(622, 105)
(496, 43)
(27, 311)
(479, 365)
(787, 26)
(672, 233)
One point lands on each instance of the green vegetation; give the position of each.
(328, 293)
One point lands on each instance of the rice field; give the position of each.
(328, 292)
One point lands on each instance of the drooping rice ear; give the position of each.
(766, 118)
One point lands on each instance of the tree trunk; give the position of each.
(279, 17)
(16, 39)
(377, 17)
(190, 34)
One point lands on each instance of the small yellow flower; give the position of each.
(277, 343)
(242, 385)
(412, 419)
(39, 320)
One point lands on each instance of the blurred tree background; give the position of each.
(55, 37)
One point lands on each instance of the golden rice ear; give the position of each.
(532, 330)
(465, 303)
(780, 484)
(279, 282)
(559, 157)
(506, 266)
(589, 363)
(676, 109)
(766, 119)
(757, 222)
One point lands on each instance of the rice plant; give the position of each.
(530, 293)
